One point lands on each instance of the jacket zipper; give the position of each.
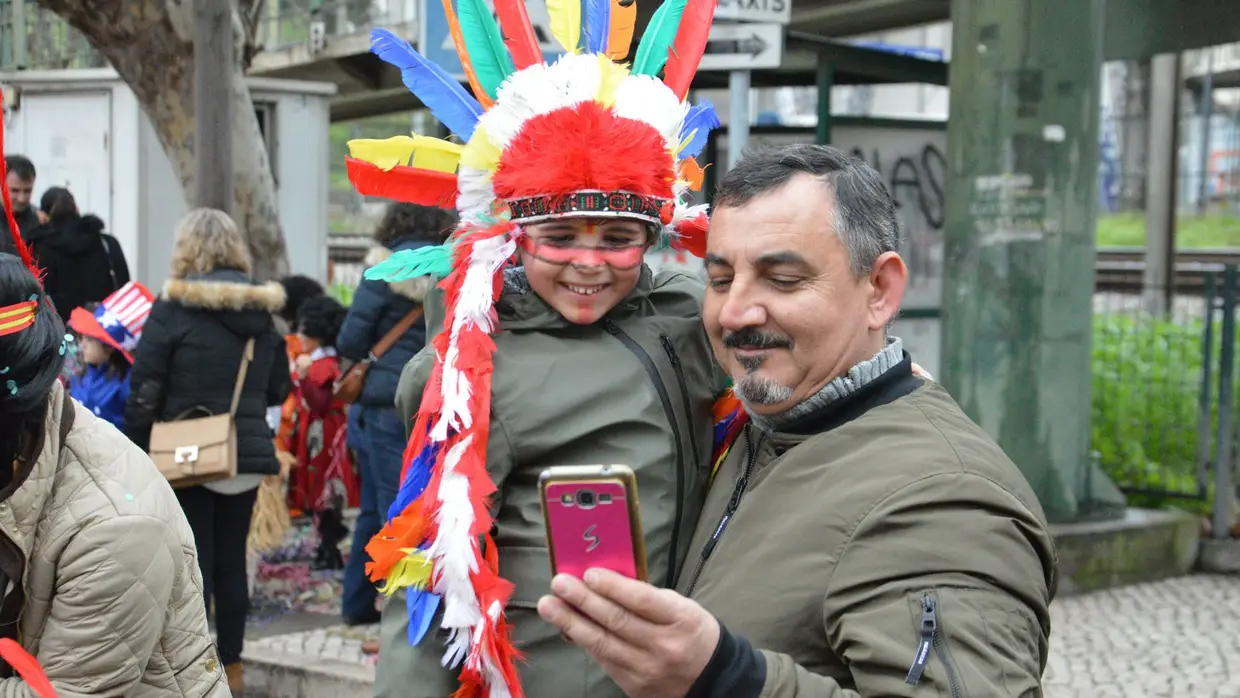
(651, 370)
(737, 492)
(931, 639)
(685, 401)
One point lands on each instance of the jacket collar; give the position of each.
(225, 290)
(20, 513)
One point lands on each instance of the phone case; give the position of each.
(592, 520)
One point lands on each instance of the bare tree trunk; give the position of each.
(149, 44)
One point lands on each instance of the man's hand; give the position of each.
(653, 642)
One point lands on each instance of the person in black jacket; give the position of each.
(82, 263)
(189, 358)
(376, 432)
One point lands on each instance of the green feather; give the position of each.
(658, 38)
(432, 260)
(487, 52)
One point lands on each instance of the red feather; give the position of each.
(689, 45)
(26, 666)
(518, 32)
(23, 250)
(412, 185)
(584, 147)
(691, 235)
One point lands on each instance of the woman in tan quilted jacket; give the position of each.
(98, 569)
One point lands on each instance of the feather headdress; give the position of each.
(18, 316)
(581, 136)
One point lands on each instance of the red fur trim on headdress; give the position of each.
(412, 185)
(584, 147)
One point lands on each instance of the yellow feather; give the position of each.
(565, 16)
(480, 153)
(425, 152)
(611, 74)
(412, 571)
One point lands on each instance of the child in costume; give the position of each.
(556, 345)
(108, 333)
(323, 481)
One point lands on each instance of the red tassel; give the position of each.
(690, 43)
(16, 656)
(412, 185)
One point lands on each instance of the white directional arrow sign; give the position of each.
(743, 47)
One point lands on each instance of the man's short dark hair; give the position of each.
(865, 215)
(21, 166)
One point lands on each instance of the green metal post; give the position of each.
(1019, 238)
(826, 80)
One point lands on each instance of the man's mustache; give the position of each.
(750, 338)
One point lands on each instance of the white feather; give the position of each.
(645, 98)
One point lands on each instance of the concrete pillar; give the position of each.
(1019, 237)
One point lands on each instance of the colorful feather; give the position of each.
(408, 184)
(597, 24)
(462, 52)
(418, 151)
(611, 76)
(657, 39)
(486, 45)
(565, 16)
(696, 128)
(690, 43)
(431, 260)
(421, 606)
(620, 35)
(442, 94)
(16, 656)
(514, 20)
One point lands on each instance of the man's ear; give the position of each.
(888, 278)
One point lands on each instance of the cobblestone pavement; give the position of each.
(1178, 638)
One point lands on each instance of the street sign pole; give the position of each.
(738, 115)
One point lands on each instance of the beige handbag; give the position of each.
(194, 451)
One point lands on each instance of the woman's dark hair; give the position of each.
(58, 203)
(404, 221)
(297, 290)
(30, 360)
(320, 319)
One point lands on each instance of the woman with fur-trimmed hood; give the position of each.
(376, 432)
(189, 358)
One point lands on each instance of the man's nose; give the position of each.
(741, 310)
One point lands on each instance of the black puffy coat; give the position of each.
(83, 264)
(189, 355)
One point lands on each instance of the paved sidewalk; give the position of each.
(1178, 638)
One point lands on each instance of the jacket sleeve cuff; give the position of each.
(735, 670)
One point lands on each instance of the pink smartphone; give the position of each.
(593, 520)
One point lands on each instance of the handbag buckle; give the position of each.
(186, 454)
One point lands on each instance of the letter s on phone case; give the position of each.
(592, 520)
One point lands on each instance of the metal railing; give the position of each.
(33, 38)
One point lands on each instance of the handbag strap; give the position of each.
(247, 355)
(395, 333)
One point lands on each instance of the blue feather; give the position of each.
(703, 119)
(416, 480)
(597, 22)
(421, 606)
(443, 95)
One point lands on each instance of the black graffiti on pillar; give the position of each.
(919, 178)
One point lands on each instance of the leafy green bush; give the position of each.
(1147, 382)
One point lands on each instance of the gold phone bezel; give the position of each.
(585, 474)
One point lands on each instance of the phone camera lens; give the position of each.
(585, 499)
